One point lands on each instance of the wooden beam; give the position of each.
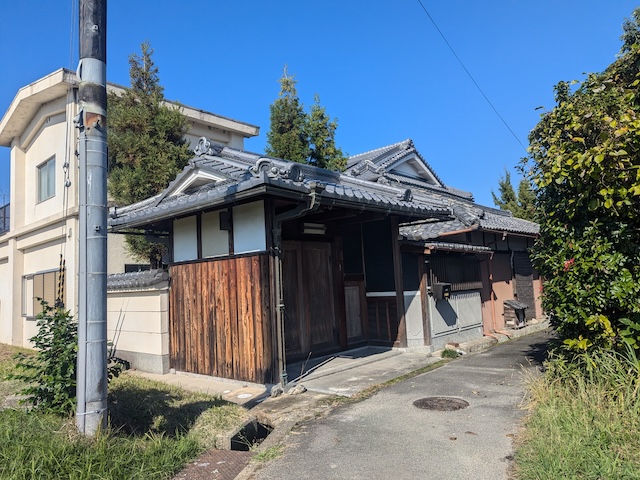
(401, 340)
(424, 300)
(338, 287)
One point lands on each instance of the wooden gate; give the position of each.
(310, 319)
(220, 318)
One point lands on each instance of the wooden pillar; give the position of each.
(424, 299)
(401, 340)
(338, 289)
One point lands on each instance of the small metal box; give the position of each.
(441, 291)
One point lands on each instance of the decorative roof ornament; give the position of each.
(406, 196)
(265, 165)
(205, 147)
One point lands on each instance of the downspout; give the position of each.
(312, 203)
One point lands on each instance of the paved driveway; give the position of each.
(387, 437)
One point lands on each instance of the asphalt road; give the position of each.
(387, 437)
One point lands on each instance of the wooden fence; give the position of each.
(220, 318)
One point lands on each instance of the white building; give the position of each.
(38, 128)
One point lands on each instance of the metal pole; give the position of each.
(91, 413)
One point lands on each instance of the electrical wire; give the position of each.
(66, 166)
(471, 76)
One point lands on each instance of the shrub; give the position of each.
(585, 158)
(51, 373)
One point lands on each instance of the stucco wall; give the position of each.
(138, 326)
(5, 301)
(413, 319)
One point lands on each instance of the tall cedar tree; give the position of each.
(287, 137)
(322, 132)
(146, 144)
(585, 164)
(300, 137)
(521, 204)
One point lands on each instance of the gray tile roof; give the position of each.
(374, 166)
(126, 281)
(248, 174)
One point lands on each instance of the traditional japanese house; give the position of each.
(271, 261)
(459, 273)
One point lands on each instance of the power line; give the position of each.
(471, 76)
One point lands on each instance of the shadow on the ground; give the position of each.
(537, 353)
(138, 411)
(303, 367)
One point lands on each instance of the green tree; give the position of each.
(322, 132)
(301, 137)
(287, 137)
(585, 164)
(521, 204)
(146, 144)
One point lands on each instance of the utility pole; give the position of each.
(91, 412)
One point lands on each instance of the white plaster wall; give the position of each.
(117, 254)
(229, 139)
(5, 298)
(215, 242)
(185, 239)
(138, 320)
(47, 142)
(413, 319)
(249, 231)
(42, 257)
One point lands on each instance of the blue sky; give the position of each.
(380, 67)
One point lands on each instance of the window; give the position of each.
(47, 179)
(136, 267)
(461, 271)
(47, 286)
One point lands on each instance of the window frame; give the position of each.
(29, 302)
(48, 168)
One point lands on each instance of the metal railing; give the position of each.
(4, 219)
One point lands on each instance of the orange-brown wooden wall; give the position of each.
(220, 318)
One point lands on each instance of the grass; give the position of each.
(584, 421)
(7, 364)
(154, 430)
(268, 454)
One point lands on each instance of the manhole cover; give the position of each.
(442, 404)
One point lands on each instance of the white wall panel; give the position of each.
(185, 239)
(215, 242)
(249, 232)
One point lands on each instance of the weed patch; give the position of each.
(584, 420)
(154, 430)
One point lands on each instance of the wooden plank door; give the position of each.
(524, 282)
(310, 319)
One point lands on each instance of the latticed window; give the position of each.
(462, 272)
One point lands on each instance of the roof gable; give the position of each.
(400, 158)
(413, 166)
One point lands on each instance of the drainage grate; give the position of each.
(442, 404)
